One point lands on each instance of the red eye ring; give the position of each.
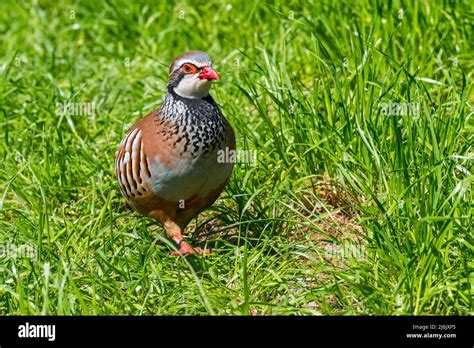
(188, 68)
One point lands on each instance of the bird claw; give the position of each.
(186, 249)
(206, 251)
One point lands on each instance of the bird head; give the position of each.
(191, 75)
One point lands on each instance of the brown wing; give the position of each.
(131, 165)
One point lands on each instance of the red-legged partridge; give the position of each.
(167, 164)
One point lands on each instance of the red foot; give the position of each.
(186, 249)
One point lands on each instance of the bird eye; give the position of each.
(188, 68)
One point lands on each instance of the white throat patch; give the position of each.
(191, 86)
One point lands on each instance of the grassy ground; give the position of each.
(353, 206)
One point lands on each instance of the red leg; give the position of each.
(185, 248)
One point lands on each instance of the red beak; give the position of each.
(209, 73)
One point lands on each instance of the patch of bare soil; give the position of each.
(331, 209)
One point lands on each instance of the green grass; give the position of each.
(304, 86)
